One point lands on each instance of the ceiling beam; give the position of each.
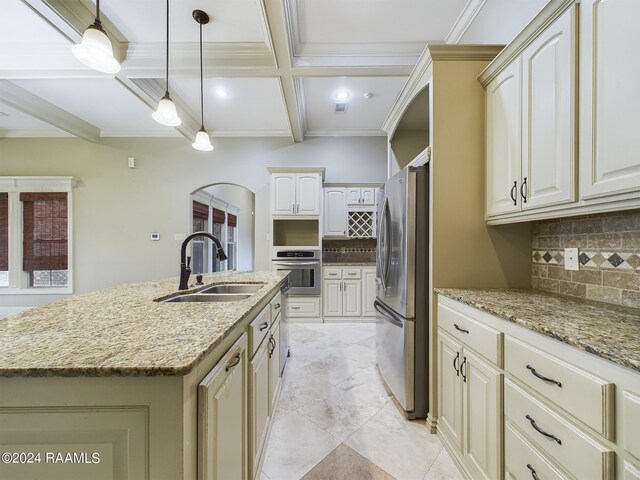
(32, 105)
(277, 21)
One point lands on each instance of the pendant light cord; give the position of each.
(201, 84)
(167, 74)
(98, 10)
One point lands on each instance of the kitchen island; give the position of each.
(113, 376)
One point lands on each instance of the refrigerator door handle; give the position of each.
(383, 245)
(380, 309)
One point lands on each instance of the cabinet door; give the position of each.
(259, 404)
(483, 419)
(609, 100)
(332, 298)
(308, 187)
(335, 211)
(353, 195)
(283, 194)
(352, 298)
(274, 366)
(222, 417)
(368, 196)
(450, 388)
(504, 140)
(548, 124)
(368, 292)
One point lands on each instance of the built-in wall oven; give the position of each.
(305, 270)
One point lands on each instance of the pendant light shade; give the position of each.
(202, 141)
(166, 113)
(95, 50)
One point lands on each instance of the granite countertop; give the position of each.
(122, 331)
(608, 331)
(349, 264)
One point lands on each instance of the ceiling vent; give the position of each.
(341, 107)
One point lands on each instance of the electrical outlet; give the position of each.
(155, 236)
(571, 259)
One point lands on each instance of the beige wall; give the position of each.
(116, 208)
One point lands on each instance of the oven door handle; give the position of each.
(297, 264)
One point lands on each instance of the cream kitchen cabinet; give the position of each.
(274, 365)
(335, 211)
(348, 292)
(368, 292)
(361, 196)
(531, 124)
(609, 101)
(259, 405)
(295, 194)
(222, 436)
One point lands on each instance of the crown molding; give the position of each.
(40, 183)
(140, 133)
(464, 21)
(546, 17)
(250, 133)
(463, 52)
(34, 134)
(346, 133)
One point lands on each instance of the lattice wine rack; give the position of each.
(362, 224)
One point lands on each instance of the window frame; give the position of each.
(19, 279)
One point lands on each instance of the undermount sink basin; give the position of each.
(233, 288)
(209, 297)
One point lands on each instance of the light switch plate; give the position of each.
(571, 259)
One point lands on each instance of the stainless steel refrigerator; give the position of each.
(402, 319)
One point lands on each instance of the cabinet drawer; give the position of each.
(259, 329)
(587, 397)
(631, 421)
(276, 306)
(522, 460)
(572, 448)
(332, 273)
(303, 307)
(484, 340)
(351, 273)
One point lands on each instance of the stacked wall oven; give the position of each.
(402, 319)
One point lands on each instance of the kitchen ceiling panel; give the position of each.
(363, 116)
(103, 103)
(145, 20)
(252, 105)
(19, 24)
(15, 123)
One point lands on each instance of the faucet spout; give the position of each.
(185, 269)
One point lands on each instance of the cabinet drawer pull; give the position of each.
(263, 326)
(460, 329)
(352, 274)
(276, 306)
(533, 472)
(542, 432)
(542, 377)
(295, 308)
(513, 193)
(455, 360)
(464, 374)
(236, 361)
(523, 192)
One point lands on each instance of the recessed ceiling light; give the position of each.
(342, 95)
(222, 93)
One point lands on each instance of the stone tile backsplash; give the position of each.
(343, 251)
(609, 257)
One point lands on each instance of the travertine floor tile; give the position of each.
(346, 464)
(444, 469)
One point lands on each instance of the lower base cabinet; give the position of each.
(222, 435)
(259, 403)
(274, 365)
(348, 292)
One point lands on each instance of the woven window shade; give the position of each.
(218, 216)
(232, 221)
(4, 231)
(200, 211)
(45, 243)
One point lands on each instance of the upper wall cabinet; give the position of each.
(535, 169)
(361, 196)
(531, 124)
(335, 212)
(295, 193)
(609, 100)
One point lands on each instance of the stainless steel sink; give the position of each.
(209, 297)
(233, 288)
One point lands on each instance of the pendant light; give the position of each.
(166, 113)
(95, 50)
(202, 141)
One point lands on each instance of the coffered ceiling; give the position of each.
(272, 67)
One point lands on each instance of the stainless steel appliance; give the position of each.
(305, 266)
(284, 325)
(402, 319)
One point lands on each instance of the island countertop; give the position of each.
(608, 331)
(124, 331)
